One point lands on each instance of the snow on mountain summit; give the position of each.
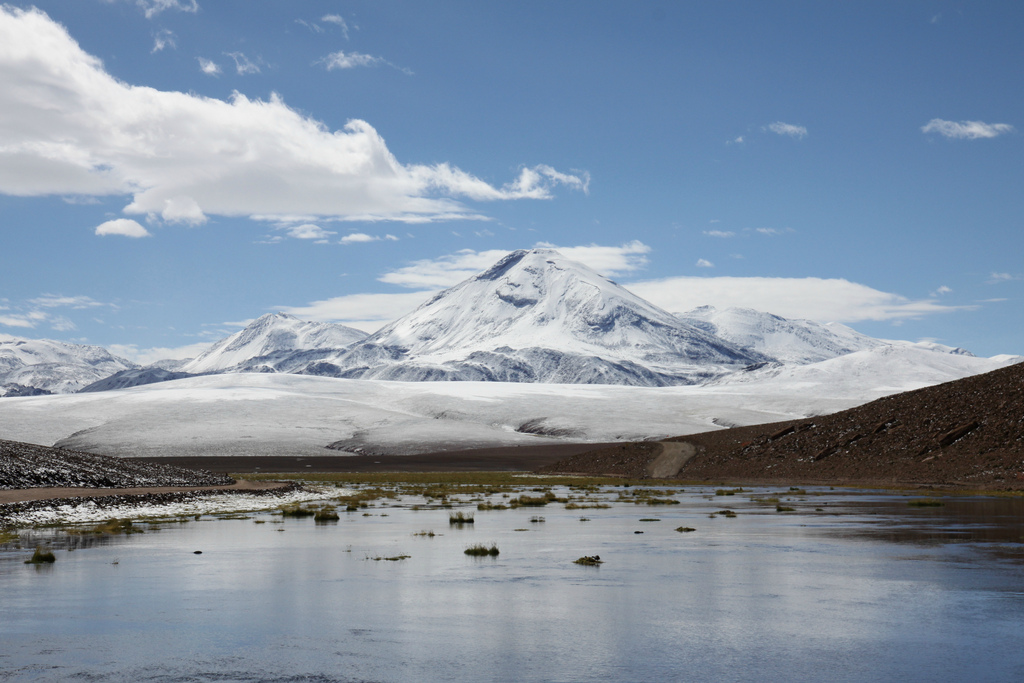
(273, 335)
(33, 365)
(536, 316)
(786, 340)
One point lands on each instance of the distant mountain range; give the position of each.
(535, 316)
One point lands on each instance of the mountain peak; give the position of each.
(537, 316)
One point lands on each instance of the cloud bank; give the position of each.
(69, 128)
(824, 300)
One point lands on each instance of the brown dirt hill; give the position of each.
(965, 433)
(24, 465)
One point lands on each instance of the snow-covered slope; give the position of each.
(268, 341)
(54, 366)
(786, 340)
(871, 373)
(537, 316)
(280, 414)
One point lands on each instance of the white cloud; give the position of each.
(772, 232)
(57, 301)
(153, 354)
(350, 60)
(1003, 277)
(155, 7)
(735, 141)
(943, 289)
(308, 231)
(314, 28)
(338, 21)
(17, 320)
(704, 263)
(825, 300)
(243, 65)
(358, 237)
(787, 129)
(367, 312)
(208, 67)
(966, 130)
(164, 38)
(451, 269)
(719, 233)
(122, 226)
(68, 128)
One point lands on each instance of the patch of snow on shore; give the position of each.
(90, 512)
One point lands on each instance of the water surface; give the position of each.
(848, 587)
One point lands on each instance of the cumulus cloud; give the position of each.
(68, 128)
(358, 237)
(208, 67)
(966, 130)
(824, 300)
(122, 226)
(704, 263)
(309, 231)
(943, 289)
(787, 129)
(451, 269)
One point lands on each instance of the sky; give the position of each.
(172, 169)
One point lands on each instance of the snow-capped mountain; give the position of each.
(270, 342)
(536, 316)
(32, 365)
(788, 341)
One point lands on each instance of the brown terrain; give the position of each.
(965, 434)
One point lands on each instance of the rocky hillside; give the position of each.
(969, 432)
(25, 465)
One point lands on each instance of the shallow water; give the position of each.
(849, 587)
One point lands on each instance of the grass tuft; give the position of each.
(481, 550)
(41, 556)
(459, 518)
(589, 560)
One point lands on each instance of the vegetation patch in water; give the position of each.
(481, 550)
(41, 556)
(589, 560)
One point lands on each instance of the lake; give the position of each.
(849, 586)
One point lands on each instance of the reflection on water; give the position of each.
(849, 587)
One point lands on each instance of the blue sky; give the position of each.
(170, 169)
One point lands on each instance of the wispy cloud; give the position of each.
(704, 263)
(942, 290)
(996, 278)
(825, 300)
(164, 38)
(787, 129)
(151, 8)
(68, 128)
(58, 301)
(352, 60)
(338, 21)
(719, 233)
(313, 27)
(122, 226)
(244, 65)
(209, 67)
(773, 232)
(966, 130)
